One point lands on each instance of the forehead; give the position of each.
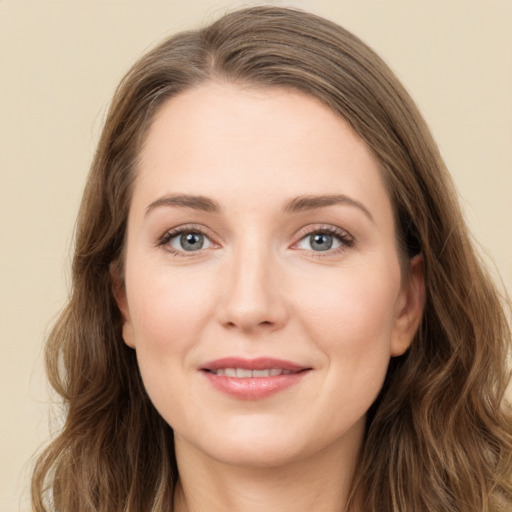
(227, 141)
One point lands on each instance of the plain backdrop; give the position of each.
(59, 64)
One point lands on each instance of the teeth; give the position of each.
(261, 373)
(243, 373)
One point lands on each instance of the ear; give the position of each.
(119, 292)
(410, 305)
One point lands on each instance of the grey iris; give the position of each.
(320, 242)
(192, 241)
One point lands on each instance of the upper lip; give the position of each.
(260, 363)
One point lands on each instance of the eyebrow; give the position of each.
(188, 201)
(298, 204)
(303, 203)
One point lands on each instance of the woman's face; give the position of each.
(263, 288)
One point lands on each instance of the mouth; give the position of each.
(243, 373)
(252, 379)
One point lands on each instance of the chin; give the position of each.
(267, 443)
(246, 441)
(270, 454)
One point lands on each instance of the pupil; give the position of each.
(321, 242)
(191, 241)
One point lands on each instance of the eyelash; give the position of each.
(345, 239)
(165, 239)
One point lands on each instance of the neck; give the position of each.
(321, 482)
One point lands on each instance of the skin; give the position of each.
(258, 288)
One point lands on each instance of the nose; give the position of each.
(252, 297)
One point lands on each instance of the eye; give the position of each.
(323, 240)
(185, 240)
(190, 242)
(319, 242)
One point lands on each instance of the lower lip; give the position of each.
(253, 388)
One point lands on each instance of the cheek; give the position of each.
(166, 322)
(353, 310)
(164, 308)
(351, 322)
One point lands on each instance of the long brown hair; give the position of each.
(439, 435)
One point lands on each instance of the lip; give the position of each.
(253, 388)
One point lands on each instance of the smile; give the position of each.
(252, 379)
(243, 373)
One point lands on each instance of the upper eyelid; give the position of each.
(185, 228)
(319, 228)
(192, 228)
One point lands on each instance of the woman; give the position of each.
(275, 301)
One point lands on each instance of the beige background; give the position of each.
(59, 63)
